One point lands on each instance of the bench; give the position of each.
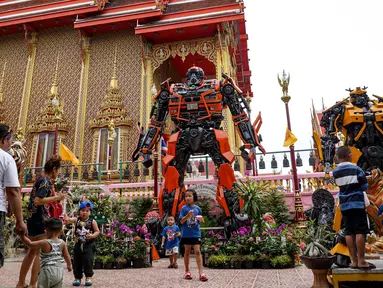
(356, 275)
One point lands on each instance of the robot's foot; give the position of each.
(235, 222)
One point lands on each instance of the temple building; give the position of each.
(76, 65)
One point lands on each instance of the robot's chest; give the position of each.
(194, 102)
(359, 115)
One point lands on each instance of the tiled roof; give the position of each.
(172, 8)
(20, 5)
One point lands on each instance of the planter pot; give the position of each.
(205, 258)
(120, 265)
(318, 263)
(109, 265)
(256, 264)
(247, 264)
(128, 264)
(291, 264)
(227, 265)
(237, 265)
(319, 267)
(265, 264)
(138, 263)
(98, 265)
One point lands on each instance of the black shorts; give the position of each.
(191, 241)
(355, 221)
(35, 228)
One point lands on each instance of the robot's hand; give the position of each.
(147, 162)
(328, 179)
(247, 152)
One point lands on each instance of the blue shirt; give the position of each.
(190, 228)
(171, 241)
(352, 182)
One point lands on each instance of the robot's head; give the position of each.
(195, 76)
(358, 97)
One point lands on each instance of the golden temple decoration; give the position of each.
(2, 94)
(206, 47)
(19, 134)
(52, 111)
(101, 4)
(112, 107)
(162, 4)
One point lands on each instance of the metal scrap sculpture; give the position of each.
(360, 120)
(196, 108)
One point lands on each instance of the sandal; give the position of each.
(188, 276)
(203, 277)
(170, 266)
(175, 265)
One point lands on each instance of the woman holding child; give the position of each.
(42, 196)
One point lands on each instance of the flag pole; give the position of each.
(299, 213)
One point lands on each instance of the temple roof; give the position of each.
(159, 21)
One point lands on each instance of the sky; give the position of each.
(326, 46)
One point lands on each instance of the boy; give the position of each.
(51, 256)
(352, 183)
(170, 237)
(86, 231)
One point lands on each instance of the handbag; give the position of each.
(55, 209)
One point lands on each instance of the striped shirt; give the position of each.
(352, 182)
(54, 257)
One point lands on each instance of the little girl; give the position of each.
(190, 217)
(52, 252)
(86, 231)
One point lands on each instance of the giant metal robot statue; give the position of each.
(360, 120)
(197, 110)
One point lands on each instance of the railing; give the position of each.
(134, 172)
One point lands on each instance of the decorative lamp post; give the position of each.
(299, 216)
(111, 136)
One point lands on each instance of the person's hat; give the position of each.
(86, 204)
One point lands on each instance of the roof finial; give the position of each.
(2, 82)
(113, 81)
(54, 88)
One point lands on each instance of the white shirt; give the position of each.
(8, 176)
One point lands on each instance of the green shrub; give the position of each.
(282, 260)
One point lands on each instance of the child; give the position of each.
(190, 217)
(52, 252)
(86, 231)
(171, 234)
(352, 183)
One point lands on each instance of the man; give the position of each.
(352, 183)
(9, 179)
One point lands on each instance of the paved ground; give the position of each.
(160, 276)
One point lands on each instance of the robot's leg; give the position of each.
(174, 165)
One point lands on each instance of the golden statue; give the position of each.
(111, 132)
(284, 83)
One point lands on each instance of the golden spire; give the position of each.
(54, 88)
(2, 83)
(114, 81)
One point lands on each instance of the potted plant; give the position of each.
(108, 262)
(219, 261)
(317, 256)
(281, 262)
(248, 261)
(236, 261)
(138, 252)
(98, 262)
(128, 257)
(264, 261)
(121, 261)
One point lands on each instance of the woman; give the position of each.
(38, 211)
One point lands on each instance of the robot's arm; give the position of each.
(332, 122)
(240, 111)
(158, 116)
